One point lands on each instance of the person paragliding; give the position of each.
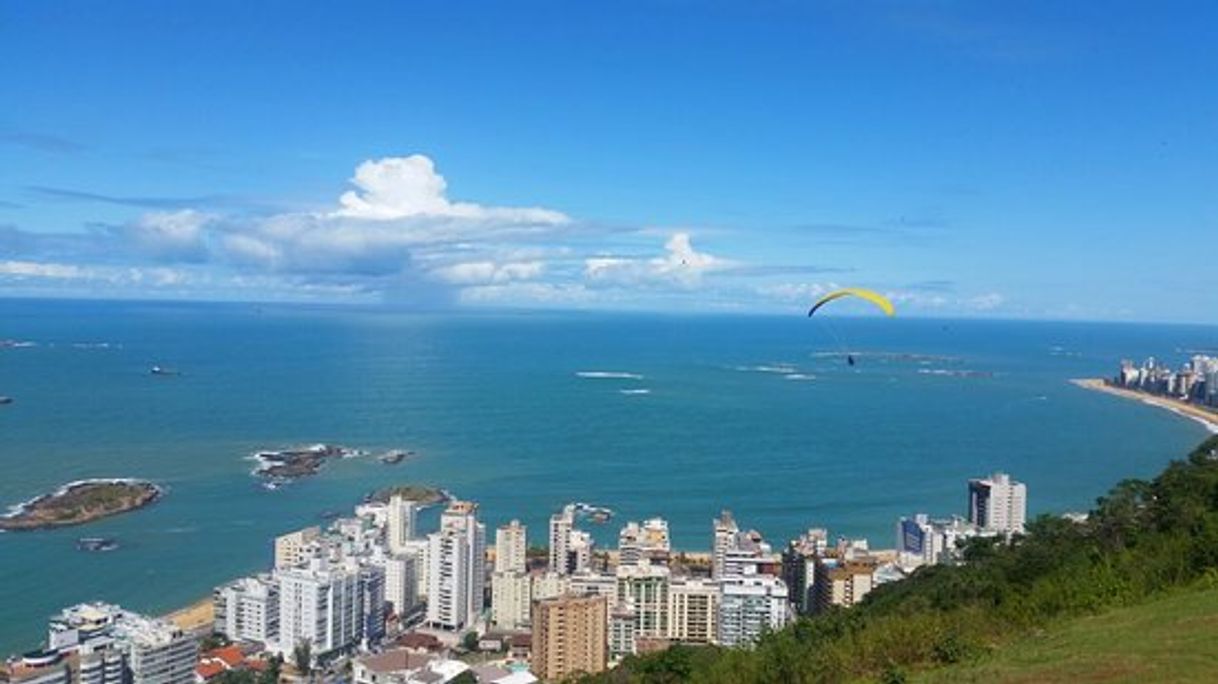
(879, 300)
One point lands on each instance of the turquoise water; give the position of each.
(494, 407)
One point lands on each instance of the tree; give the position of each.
(302, 657)
(271, 674)
(470, 641)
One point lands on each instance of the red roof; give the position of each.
(209, 669)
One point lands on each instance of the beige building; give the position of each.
(511, 594)
(510, 547)
(842, 583)
(569, 636)
(292, 549)
(693, 609)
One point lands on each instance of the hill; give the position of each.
(1171, 639)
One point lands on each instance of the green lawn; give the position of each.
(1172, 639)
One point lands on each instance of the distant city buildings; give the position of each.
(1196, 381)
(374, 586)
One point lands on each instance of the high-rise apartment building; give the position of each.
(998, 504)
(569, 636)
(456, 578)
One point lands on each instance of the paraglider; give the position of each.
(870, 295)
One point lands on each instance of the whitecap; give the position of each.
(608, 375)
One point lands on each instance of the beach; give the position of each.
(1202, 415)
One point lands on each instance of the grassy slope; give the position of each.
(1171, 639)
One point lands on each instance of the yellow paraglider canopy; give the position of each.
(870, 295)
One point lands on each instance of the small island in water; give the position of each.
(80, 502)
(420, 494)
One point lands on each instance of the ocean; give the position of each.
(650, 415)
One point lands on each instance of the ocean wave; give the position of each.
(96, 345)
(955, 373)
(778, 368)
(635, 392)
(17, 344)
(608, 375)
(799, 376)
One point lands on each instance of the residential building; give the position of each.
(293, 549)
(693, 611)
(997, 504)
(511, 598)
(561, 525)
(549, 585)
(402, 582)
(644, 590)
(402, 523)
(248, 609)
(511, 547)
(725, 538)
(569, 636)
(647, 540)
(457, 574)
(750, 606)
(321, 604)
(843, 582)
(372, 604)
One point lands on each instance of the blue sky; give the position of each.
(1046, 160)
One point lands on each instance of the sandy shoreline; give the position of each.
(1204, 416)
(196, 616)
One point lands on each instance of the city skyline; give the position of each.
(992, 161)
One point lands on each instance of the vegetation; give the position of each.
(268, 676)
(302, 658)
(421, 494)
(80, 503)
(1170, 639)
(1143, 539)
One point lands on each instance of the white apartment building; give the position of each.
(998, 504)
(643, 589)
(457, 568)
(402, 523)
(248, 609)
(121, 646)
(511, 599)
(402, 582)
(725, 538)
(749, 606)
(319, 603)
(647, 540)
(561, 525)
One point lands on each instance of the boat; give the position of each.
(5, 400)
(96, 544)
(162, 370)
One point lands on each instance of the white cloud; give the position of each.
(409, 187)
(179, 235)
(681, 265)
(488, 272)
(33, 269)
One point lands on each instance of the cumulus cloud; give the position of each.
(409, 187)
(34, 269)
(680, 265)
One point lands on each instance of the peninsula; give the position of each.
(80, 502)
(422, 495)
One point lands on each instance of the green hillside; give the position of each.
(1119, 581)
(1172, 639)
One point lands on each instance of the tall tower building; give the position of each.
(510, 547)
(561, 525)
(569, 636)
(725, 539)
(403, 523)
(998, 504)
(456, 579)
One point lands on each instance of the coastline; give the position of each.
(1184, 409)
